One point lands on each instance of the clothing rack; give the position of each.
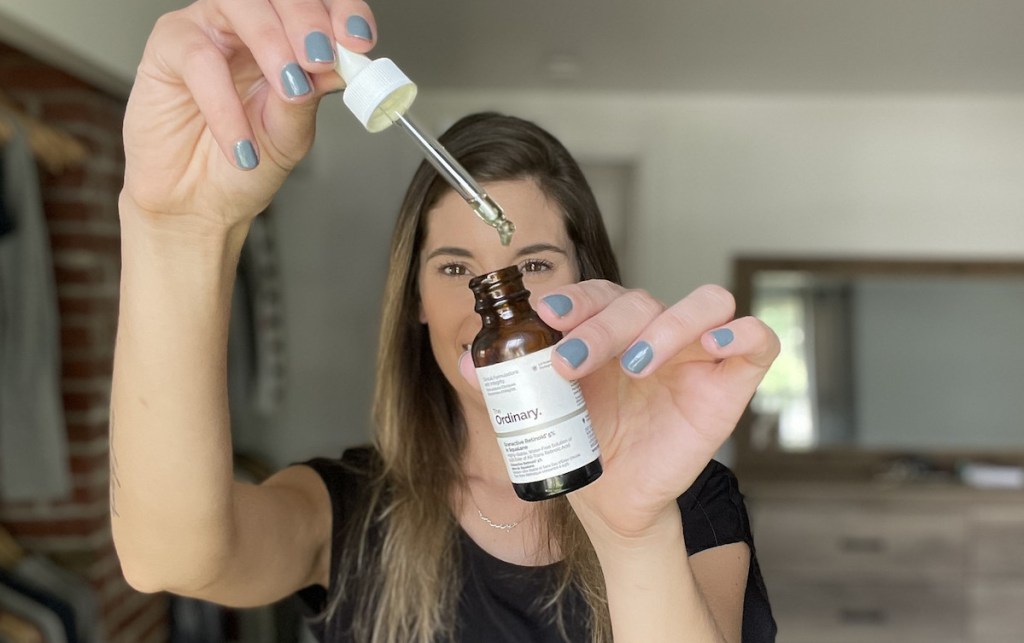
(55, 150)
(10, 551)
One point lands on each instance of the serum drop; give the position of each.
(540, 418)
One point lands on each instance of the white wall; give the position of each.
(100, 41)
(716, 176)
(828, 174)
(333, 221)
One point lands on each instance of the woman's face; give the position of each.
(458, 247)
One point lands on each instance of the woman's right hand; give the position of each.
(218, 77)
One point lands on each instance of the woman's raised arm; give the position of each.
(222, 109)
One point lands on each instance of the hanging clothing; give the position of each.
(196, 621)
(16, 629)
(256, 361)
(33, 438)
(261, 264)
(256, 341)
(55, 605)
(6, 222)
(69, 588)
(39, 615)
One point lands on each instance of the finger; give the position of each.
(569, 306)
(354, 25)
(747, 338)
(308, 28)
(260, 29)
(313, 34)
(612, 327)
(678, 329)
(313, 29)
(207, 76)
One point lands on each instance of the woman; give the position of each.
(390, 542)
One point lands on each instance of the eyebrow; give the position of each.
(455, 251)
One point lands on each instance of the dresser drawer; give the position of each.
(829, 541)
(838, 612)
(997, 611)
(997, 542)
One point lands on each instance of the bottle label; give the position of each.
(541, 419)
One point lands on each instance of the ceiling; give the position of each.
(710, 45)
(832, 46)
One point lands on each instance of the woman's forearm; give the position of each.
(653, 595)
(170, 443)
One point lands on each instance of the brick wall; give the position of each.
(81, 211)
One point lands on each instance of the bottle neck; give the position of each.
(501, 297)
(506, 311)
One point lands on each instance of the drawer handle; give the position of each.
(862, 544)
(852, 616)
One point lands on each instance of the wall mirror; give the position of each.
(884, 359)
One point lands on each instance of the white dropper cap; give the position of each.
(374, 89)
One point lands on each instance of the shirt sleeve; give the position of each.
(345, 479)
(713, 510)
(715, 514)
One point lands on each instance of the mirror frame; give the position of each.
(847, 463)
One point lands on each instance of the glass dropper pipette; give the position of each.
(458, 177)
(379, 94)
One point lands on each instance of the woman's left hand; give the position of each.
(665, 387)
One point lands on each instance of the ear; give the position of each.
(423, 313)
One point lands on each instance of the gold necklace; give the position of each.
(503, 526)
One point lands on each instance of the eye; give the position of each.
(453, 269)
(535, 265)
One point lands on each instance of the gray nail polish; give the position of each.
(318, 48)
(357, 27)
(294, 80)
(638, 357)
(574, 351)
(723, 337)
(245, 154)
(561, 304)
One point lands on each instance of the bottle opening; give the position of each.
(496, 287)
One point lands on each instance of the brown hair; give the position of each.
(406, 546)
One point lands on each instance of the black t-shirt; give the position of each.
(498, 599)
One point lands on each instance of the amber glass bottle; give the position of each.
(541, 419)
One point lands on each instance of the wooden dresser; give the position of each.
(881, 563)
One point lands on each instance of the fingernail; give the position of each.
(245, 154)
(357, 27)
(638, 357)
(561, 304)
(295, 81)
(574, 351)
(318, 48)
(723, 337)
